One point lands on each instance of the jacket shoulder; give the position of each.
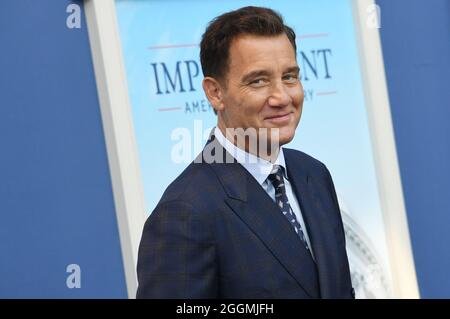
(309, 164)
(191, 184)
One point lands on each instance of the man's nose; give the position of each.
(279, 96)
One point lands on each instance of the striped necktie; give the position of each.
(276, 178)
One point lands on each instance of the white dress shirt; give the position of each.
(260, 169)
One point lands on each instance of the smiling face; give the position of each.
(262, 87)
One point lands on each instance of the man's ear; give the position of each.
(214, 92)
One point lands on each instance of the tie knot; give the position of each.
(276, 176)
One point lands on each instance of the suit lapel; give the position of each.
(256, 209)
(320, 230)
(264, 218)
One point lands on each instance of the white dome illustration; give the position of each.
(369, 278)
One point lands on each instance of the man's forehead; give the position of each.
(250, 51)
(251, 47)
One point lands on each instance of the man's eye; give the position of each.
(258, 82)
(290, 77)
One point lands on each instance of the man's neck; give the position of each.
(251, 144)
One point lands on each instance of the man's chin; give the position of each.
(285, 140)
(282, 140)
(286, 136)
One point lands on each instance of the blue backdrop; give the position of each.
(56, 204)
(415, 36)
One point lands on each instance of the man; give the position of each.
(267, 223)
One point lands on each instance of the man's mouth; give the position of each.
(279, 118)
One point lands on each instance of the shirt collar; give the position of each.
(258, 167)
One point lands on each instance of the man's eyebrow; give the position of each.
(253, 74)
(292, 69)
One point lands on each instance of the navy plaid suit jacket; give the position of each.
(217, 234)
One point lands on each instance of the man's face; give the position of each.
(263, 88)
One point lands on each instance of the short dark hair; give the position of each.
(222, 30)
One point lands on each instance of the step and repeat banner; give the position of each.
(172, 117)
